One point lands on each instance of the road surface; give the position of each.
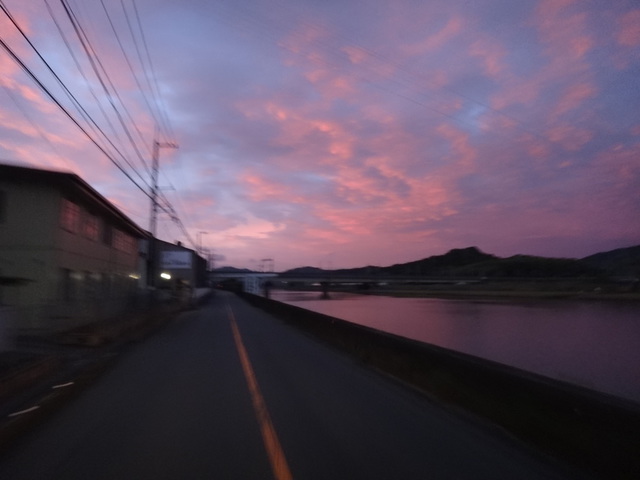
(229, 392)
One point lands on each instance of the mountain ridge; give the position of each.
(472, 262)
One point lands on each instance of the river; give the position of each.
(591, 344)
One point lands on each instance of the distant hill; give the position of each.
(304, 271)
(442, 264)
(472, 262)
(621, 262)
(528, 266)
(232, 270)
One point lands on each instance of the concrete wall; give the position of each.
(26, 245)
(591, 430)
(6, 329)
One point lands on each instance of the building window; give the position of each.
(123, 242)
(91, 227)
(70, 216)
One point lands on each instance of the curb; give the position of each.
(21, 379)
(19, 423)
(39, 410)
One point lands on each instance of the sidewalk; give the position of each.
(40, 373)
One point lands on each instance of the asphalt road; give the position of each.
(228, 392)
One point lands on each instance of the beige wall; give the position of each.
(26, 248)
(73, 279)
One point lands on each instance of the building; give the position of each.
(178, 269)
(67, 255)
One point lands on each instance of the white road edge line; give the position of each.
(15, 414)
(62, 385)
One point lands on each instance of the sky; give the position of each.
(338, 134)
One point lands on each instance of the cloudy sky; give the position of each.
(340, 133)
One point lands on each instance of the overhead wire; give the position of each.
(152, 81)
(168, 202)
(173, 215)
(154, 87)
(165, 205)
(37, 127)
(35, 79)
(83, 112)
(103, 78)
(84, 76)
(131, 69)
(166, 208)
(133, 73)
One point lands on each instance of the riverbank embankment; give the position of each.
(543, 288)
(594, 431)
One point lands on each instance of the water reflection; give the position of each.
(593, 344)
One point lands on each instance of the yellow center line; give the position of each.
(270, 438)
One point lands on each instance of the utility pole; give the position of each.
(200, 250)
(152, 260)
(155, 167)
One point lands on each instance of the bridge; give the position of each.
(254, 282)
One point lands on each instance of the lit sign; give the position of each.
(175, 259)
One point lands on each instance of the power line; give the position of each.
(84, 76)
(73, 99)
(52, 97)
(151, 71)
(129, 64)
(34, 124)
(94, 61)
(165, 205)
(86, 116)
(65, 111)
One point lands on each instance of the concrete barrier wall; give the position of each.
(6, 328)
(591, 430)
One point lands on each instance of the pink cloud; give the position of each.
(492, 55)
(537, 148)
(463, 154)
(260, 189)
(356, 55)
(435, 41)
(563, 29)
(306, 131)
(517, 92)
(621, 165)
(629, 29)
(574, 97)
(570, 137)
(321, 67)
(305, 136)
(565, 33)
